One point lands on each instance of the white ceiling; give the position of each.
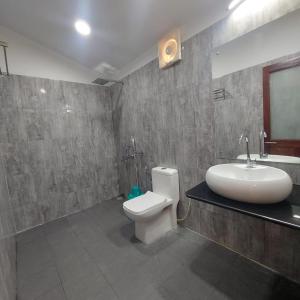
(122, 30)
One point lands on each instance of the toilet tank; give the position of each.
(165, 182)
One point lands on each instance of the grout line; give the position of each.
(55, 264)
(90, 257)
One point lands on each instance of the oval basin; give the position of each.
(261, 184)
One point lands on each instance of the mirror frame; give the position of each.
(281, 147)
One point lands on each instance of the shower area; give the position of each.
(57, 147)
(57, 156)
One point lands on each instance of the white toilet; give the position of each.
(155, 213)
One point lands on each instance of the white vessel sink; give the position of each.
(261, 184)
(271, 157)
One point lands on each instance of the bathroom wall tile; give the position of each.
(280, 248)
(56, 146)
(7, 241)
(170, 123)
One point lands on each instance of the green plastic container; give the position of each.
(135, 192)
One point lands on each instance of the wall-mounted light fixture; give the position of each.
(4, 46)
(169, 49)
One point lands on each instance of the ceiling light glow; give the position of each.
(234, 4)
(82, 27)
(43, 91)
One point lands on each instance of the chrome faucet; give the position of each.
(262, 136)
(250, 163)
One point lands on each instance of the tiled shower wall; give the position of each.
(7, 243)
(58, 147)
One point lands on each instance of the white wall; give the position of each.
(26, 57)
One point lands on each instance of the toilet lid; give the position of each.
(145, 202)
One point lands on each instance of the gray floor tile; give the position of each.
(66, 248)
(130, 262)
(38, 284)
(56, 226)
(284, 289)
(94, 255)
(134, 285)
(73, 269)
(88, 288)
(33, 258)
(185, 284)
(30, 235)
(56, 293)
(88, 234)
(103, 252)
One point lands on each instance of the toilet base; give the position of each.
(150, 230)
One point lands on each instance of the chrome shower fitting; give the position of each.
(132, 154)
(130, 151)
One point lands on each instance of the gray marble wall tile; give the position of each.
(169, 112)
(58, 147)
(7, 242)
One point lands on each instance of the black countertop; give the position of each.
(283, 213)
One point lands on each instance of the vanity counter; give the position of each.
(286, 212)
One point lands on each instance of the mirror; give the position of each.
(256, 93)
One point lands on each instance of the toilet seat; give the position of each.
(145, 203)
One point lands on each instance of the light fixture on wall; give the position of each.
(82, 27)
(233, 4)
(169, 49)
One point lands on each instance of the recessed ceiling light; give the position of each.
(234, 4)
(43, 91)
(82, 27)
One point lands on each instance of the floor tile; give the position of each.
(56, 293)
(38, 284)
(30, 235)
(33, 258)
(73, 269)
(94, 255)
(89, 288)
